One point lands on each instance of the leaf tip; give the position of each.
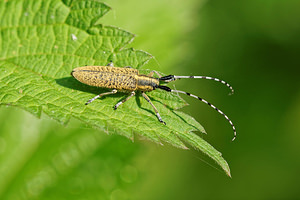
(185, 148)
(228, 173)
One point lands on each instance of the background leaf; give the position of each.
(44, 42)
(41, 159)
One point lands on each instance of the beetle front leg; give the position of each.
(155, 109)
(110, 64)
(156, 72)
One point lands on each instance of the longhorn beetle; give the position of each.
(127, 79)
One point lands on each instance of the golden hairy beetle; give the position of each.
(128, 79)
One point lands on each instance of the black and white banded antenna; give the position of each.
(170, 78)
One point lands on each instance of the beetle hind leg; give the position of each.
(114, 91)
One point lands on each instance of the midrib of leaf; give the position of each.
(37, 59)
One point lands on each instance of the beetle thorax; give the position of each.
(146, 83)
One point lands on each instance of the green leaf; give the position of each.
(42, 41)
(41, 159)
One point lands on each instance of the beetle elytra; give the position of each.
(127, 79)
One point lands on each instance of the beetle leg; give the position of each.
(152, 72)
(114, 91)
(123, 101)
(155, 109)
(110, 64)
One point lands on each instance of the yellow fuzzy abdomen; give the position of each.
(124, 79)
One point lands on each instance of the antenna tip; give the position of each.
(233, 138)
(232, 92)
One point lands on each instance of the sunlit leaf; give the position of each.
(42, 41)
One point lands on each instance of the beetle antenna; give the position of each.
(170, 78)
(204, 101)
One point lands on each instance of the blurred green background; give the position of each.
(254, 45)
